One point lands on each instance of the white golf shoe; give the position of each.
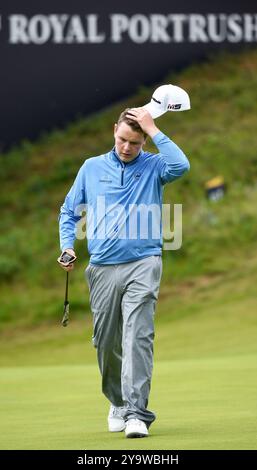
(116, 421)
(136, 428)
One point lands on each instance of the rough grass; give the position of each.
(218, 135)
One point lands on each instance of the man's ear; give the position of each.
(115, 129)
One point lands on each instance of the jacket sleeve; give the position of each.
(70, 212)
(172, 162)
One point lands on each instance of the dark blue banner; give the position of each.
(63, 59)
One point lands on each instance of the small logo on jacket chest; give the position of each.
(105, 179)
(137, 175)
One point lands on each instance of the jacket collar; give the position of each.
(115, 157)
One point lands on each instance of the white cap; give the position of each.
(168, 98)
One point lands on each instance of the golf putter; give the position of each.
(65, 260)
(66, 307)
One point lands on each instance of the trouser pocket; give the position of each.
(98, 320)
(157, 268)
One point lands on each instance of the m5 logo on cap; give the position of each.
(174, 106)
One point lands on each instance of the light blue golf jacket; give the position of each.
(122, 202)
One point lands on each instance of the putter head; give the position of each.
(65, 319)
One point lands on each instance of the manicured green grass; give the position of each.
(200, 404)
(204, 382)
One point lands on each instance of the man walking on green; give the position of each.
(125, 265)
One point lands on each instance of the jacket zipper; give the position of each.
(122, 175)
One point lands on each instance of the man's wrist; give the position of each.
(153, 131)
(68, 249)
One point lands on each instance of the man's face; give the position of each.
(128, 142)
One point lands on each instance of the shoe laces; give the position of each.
(136, 421)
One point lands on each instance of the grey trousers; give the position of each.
(122, 300)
